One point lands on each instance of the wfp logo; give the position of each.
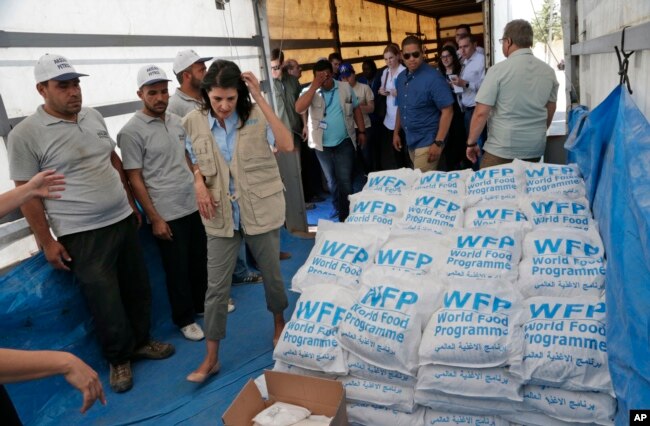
(438, 177)
(320, 311)
(483, 241)
(546, 207)
(436, 202)
(503, 214)
(389, 297)
(550, 171)
(103, 134)
(569, 247)
(343, 251)
(475, 300)
(391, 181)
(403, 258)
(374, 207)
(565, 310)
(492, 173)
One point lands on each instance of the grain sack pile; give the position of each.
(460, 297)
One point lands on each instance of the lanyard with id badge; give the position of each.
(323, 123)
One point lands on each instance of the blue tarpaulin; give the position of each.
(611, 145)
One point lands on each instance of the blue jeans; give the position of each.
(337, 163)
(469, 112)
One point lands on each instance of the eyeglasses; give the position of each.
(445, 56)
(276, 67)
(415, 55)
(501, 40)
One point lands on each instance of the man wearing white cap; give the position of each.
(153, 153)
(93, 221)
(189, 69)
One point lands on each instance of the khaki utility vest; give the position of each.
(317, 112)
(258, 187)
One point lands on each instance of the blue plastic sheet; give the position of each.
(611, 145)
(41, 308)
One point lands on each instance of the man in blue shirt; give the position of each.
(425, 108)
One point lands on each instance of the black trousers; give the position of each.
(185, 262)
(8, 412)
(109, 265)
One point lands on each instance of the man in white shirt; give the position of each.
(471, 77)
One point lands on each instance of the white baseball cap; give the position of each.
(185, 58)
(150, 74)
(55, 67)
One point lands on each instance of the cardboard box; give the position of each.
(320, 396)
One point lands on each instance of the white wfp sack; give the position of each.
(375, 208)
(309, 339)
(565, 344)
(392, 182)
(392, 396)
(499, 183)
(534, 418)
(360, 413)
(478, 325)
(364, 370)
(562, 262)
(467, 405)
(340, 253)
(432, 212)
(446, 182)
(280, 414)
(485, 253)
(571, 406)
(494, 382)
(543, 178)
(437, 418)
(409, 251)
(556, 211)
(294, 369)
(494, 214)
(384, 326)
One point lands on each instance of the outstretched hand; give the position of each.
(46, 184)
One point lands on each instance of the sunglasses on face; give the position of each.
(415, 55)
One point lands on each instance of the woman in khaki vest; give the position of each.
(239, 192)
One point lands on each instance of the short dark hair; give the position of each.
(335, 55)
(471, 38)
(323, 65)
(412, 40)
(277, 54)
(520, 32)
(466, 27)
(227, 75)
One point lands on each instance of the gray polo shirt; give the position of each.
(182, 104)
(94, 195)
(518, 90)
(158, 148)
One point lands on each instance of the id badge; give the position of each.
(322, 124)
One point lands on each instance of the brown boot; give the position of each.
(121, 377)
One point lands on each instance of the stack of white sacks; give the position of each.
(460, 297)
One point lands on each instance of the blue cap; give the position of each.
(346, 70)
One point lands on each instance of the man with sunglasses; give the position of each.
(425, 108)
(519, 96)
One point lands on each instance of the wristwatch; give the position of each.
(439, 144)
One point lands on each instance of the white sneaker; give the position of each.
(231, 305)
(193, 332)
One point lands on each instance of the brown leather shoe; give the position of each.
(154, 350)
(121, 377)
(284, 255)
